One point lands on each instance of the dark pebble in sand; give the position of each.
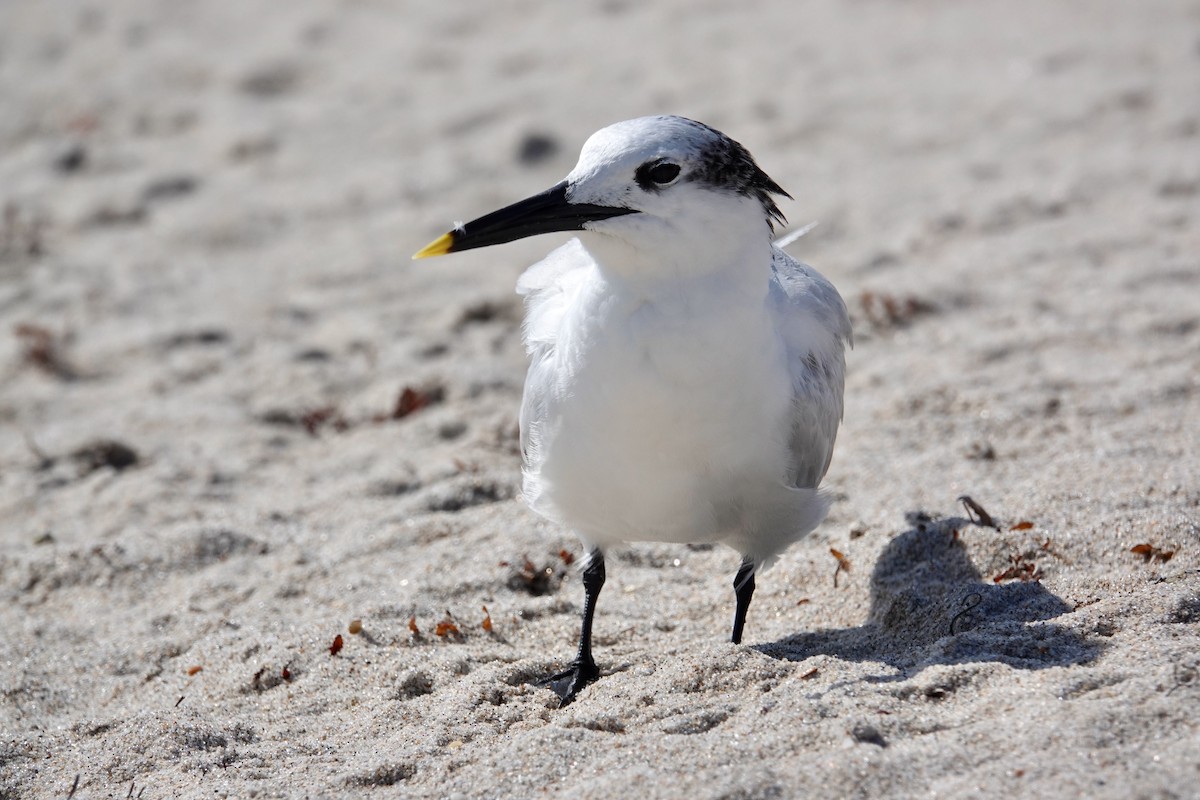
(105, 453)
(536, 148)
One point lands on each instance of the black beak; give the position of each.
(547, 212)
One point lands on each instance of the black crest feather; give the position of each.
(728, 165)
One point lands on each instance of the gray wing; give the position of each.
(815, 327)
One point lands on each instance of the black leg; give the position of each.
(582, 671)
(743, 589)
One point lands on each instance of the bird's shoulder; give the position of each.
(811, 310)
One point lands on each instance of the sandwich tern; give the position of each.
(686, 375)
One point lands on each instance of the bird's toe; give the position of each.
(568, 683)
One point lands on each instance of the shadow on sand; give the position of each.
(929, 605)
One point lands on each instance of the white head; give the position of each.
(698, 194)
(654, 193)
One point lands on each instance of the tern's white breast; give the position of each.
(667, 415)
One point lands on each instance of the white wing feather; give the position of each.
(549, 286)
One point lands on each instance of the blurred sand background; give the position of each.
(234, 416)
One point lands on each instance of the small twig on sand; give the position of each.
(977, 513)
(969, 604)
(842, 566)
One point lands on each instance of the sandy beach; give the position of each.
(261, 532)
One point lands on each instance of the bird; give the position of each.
(686, 376)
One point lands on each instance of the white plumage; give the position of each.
(706, 413)
(686, 375)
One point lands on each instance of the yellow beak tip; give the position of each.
(438, 247)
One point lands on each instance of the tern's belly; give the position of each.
(664, 443)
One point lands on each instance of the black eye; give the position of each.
(663, 173)
(656, 173)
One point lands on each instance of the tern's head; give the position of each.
(646, 183)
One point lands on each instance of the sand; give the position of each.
(210, 465)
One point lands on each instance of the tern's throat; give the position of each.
(741, 261)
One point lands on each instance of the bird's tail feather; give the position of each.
(782, 526)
